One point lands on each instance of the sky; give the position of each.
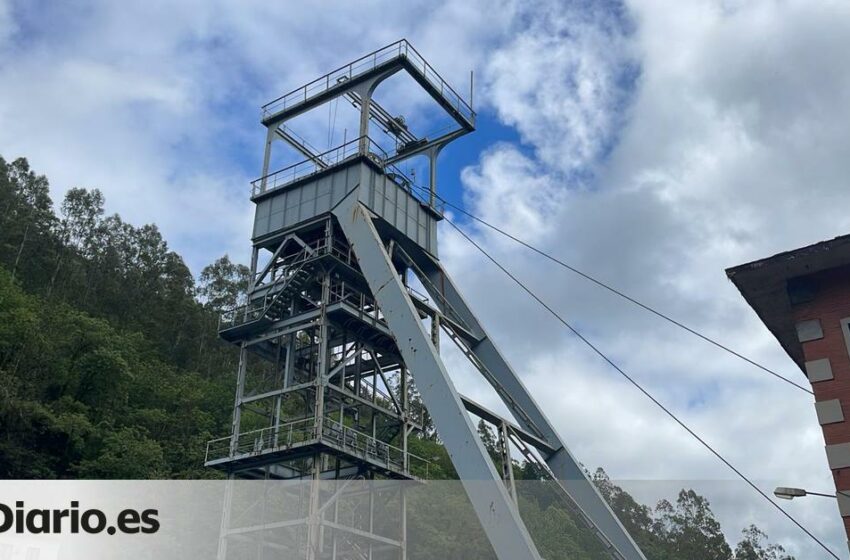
(651, 143)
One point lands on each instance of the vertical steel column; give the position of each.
(432, 154)
(237, 404)
(314, 512)
(267, 153)
(221, 554)
(507, 464)
(402, 486)
(365, 101)
(322, 367)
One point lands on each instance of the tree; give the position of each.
(751, 548)
(82, 214)
(26, 220)
(636, 518)
(125, 454)
(691, 528)
(223, 284)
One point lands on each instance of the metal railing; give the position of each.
(257, 441)
(304, 430)
(399, 49)
(422, 194)
(454, 99)
(367, 307)
(309, 166)
(374, 449)
(353, 148)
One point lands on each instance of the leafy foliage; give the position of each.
(109, 367)
(222, 283)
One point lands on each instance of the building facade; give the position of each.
(803, 297)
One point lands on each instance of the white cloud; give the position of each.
(731, 147)
(561, 80)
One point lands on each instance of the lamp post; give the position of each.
(791, 493)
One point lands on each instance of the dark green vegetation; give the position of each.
(110, 367)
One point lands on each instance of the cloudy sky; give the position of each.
(651, 143)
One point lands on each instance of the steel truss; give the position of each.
(339, 357)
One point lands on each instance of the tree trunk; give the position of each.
(20, 250)
(55, 272)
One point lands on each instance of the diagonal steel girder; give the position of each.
(496, 511)
(565, 467)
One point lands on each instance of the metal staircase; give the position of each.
(294, 283)
(269, 302)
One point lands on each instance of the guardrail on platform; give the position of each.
(399, 49)
(299, 431)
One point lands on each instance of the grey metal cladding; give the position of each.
(845, 331)
(311, 198)
(261, 217)
(809, 330)
(838, 455)
(829, 412)
(819, 370)
(304, 200)
(399, 208)
(843, 504)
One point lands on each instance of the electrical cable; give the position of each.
(640, 388)
(332, 126)
(623, 295)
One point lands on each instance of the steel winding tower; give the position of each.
(338, 352)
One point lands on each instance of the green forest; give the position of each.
(111, 368)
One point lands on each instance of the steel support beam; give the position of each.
(567, 470)
(490, 416)
(490, 499)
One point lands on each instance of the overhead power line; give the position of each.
(622, 295)
(640, 388)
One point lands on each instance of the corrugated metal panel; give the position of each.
(400, 209)
(383, 196)
(304, 201)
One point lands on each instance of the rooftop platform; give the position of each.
(396, 56)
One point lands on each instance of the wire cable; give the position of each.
(623, 295)
(640, 387)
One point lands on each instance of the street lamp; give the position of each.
(791, 493)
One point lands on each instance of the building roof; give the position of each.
(763, 283)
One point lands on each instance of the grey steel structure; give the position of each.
(347, 350)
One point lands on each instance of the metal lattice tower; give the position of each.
(338, 352)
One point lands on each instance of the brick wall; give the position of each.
(823, 329)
